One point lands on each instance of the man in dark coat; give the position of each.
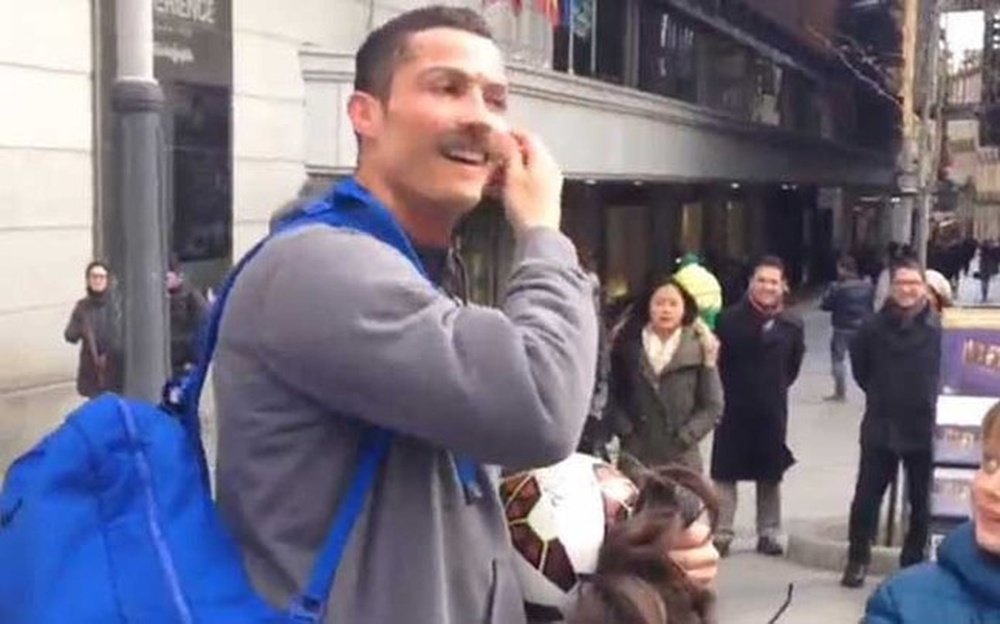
(989, 265)
(188, 310)
(761, 353)
(895, 359)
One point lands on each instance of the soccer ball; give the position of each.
(557, 517)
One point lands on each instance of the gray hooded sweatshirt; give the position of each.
(327, 329)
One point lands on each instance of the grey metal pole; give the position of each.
(593, 38)
(137, 101)
(570, 43)
(927, 151)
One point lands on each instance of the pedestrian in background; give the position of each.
(762, 346)
(939, 291)
(666, 392)
(883, 285)
(95, 323)
(963, 585)
(597, 432)
(703, 287)
(849, 301)
(895, 359)
(188, 310)
(989, 265)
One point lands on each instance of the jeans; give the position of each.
(768, 509)
(839, 345)
(878, 467)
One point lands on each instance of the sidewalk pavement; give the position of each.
(26, 416)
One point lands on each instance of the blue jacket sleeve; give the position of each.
(882, 608)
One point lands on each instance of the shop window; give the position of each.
(692, 227)
(598, 50)
(525, 35)
(627, 250)
(668, 62)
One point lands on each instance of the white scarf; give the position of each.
(659, 352)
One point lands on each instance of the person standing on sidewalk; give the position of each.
(895, 359)
(331, 332)
(762, 346)
(96, 324)
(989, 266)
(849, 300)
(188, 310)
(666, 394)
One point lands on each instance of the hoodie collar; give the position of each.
(978, 569)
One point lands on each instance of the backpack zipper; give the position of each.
(153, 517)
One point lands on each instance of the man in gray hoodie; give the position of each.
(328, 331)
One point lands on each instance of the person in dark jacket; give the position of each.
(761, 354)
(95, 323)
(963, 586)
(989, 266)
(895, 359)
(666, 391)
(849, 301)
(188, 310)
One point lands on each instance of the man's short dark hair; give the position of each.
(770, 261)
(906, 261)
(848, 264)
(380, 53)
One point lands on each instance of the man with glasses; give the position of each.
(895, 359)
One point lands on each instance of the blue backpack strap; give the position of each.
(349, 206)
(310, 606)
(183, 397)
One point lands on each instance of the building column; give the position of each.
(899, 219)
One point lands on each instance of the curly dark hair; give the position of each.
(636, 582)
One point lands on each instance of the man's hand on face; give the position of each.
(531, 182)
(696, 555)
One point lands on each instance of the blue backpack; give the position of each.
(109, 519)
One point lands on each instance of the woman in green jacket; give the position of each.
(665, 386)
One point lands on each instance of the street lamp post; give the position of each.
(137, 101)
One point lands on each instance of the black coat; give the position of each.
(897, 364)
(95, 323)
(850, 302)
(188, 310)
(759, 360)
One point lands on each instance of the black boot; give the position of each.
(770, 547)
(722, 546)
(854, 574)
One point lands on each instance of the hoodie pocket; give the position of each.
(505, 601)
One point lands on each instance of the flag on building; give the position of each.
(515, 5)
(567, 12)
(550, 9)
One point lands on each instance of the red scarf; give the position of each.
(768, 312)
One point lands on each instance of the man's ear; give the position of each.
(365, 113)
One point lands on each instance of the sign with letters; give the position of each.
(970, 386)
(192, 41)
